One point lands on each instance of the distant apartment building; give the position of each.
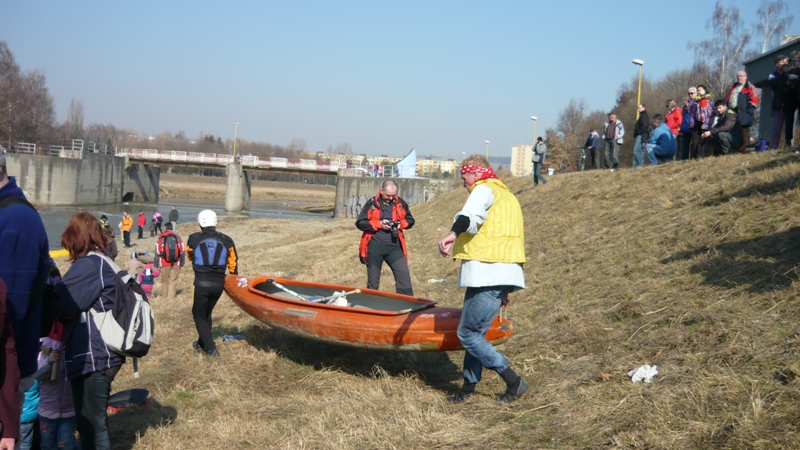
(521, 164)
(428, 166)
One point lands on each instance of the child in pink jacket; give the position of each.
(148, 278)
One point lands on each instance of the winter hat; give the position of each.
(134, 255)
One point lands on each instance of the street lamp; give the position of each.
(235, 130)
(487, 150)
(534, 119)
(639, 63)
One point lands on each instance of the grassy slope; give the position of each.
(689, 266)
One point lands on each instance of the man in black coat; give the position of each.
(640, 132)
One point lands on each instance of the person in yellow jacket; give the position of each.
(125, 226)
(487, 236)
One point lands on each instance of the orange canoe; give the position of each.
(365, 319)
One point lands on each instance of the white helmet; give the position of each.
(207, 218)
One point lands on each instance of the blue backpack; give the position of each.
(688, 122)
(210, 252)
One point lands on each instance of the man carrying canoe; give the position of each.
(487, 236)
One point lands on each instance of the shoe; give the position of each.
(466, 390)
(512, 394)
(459, 397)
(215, 354)
(196, 347)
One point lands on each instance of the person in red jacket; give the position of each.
(141, 221)
(674, 117)
(743, 100)
(383, 219)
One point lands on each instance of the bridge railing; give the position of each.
(224, 159)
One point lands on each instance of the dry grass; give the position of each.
(689, 266)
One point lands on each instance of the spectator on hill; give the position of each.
(790, 95)
(170, 266)
(613, 132)
(776, 109)
(487, 235)
(726, 134)
(539, 151)
(690, 133)
(704, 118)
(595, 148)
(743, 100)
(662, 146)
(640, 133)
(674, 117)
(141, 221)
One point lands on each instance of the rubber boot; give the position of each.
(515, 385)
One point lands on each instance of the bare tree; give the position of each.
(74, 124)
(724, 52)
(772, 23)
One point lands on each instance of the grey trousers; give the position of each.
(377, 253)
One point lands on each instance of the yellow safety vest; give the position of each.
(501, 236)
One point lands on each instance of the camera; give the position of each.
(395, 226)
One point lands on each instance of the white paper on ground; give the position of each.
(645, 372)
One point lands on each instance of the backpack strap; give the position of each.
(8, 201)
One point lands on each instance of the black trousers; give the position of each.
(126, 237)
(377, 253)
(205, 299)
(90, 394)
(141, 232)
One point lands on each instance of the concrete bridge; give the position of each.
(86, 177)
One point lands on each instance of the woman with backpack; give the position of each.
(89, 284)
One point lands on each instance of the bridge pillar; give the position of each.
(237, 195)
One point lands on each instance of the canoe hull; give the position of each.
(423, 327)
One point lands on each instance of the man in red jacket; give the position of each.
(383, 219)
(171, 260)
(141, 221)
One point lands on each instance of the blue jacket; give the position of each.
(31, 404)
(81, 289)
(24, 255)
(663, 138)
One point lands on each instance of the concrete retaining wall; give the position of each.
(352, 192)
(93, 180)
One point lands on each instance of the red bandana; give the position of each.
(484, 173)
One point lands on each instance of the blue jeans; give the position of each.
(638, 151)
(654, 153)
(26, 435)
(481, 305)
(537, 173)
(58, 434)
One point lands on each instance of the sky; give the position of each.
(440, 76)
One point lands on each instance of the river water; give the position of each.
(55, 218)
